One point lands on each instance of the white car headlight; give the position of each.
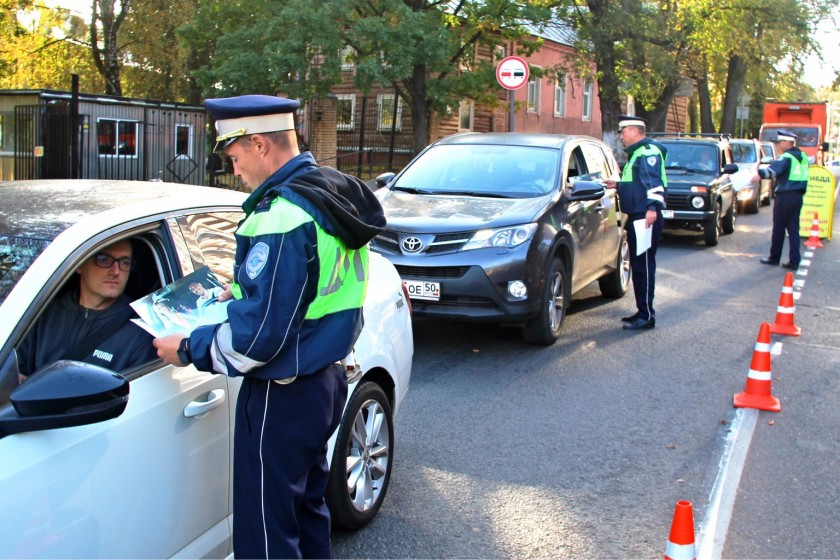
(507, 237)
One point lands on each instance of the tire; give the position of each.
(728, 224)
(362, 458)
(616, 283)
(752, 206)
(711, 229)
(544, 329)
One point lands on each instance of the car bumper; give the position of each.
(689, 216)
(470, 291)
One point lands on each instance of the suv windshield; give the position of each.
(743, 152)
(16, 255)
(482, 170)
(691, 157)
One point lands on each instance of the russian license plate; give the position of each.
(418, 289)
(667, 213)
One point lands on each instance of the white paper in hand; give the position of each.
(644, 235)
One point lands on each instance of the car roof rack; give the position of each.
(716, 135)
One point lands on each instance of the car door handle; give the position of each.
(197, 409)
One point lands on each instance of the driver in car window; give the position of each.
(91, 323)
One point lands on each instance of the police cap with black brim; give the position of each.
(630, 120)
(250, 114)
(786, 135)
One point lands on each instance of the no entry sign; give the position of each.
(512, 72)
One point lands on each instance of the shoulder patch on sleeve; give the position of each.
(257, 257)
(652, 160)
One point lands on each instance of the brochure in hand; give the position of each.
(183, 305)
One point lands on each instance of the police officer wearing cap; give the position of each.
(641, 193)
(300, 277)
(790, 172)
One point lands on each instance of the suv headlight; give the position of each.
(506, 237)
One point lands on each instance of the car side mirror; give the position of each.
(587, 190)
(64, 394)
(384, 179)
(730, 168)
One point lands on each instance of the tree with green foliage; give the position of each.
(41, 47)
(417, 47)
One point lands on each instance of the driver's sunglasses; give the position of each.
(104, 260)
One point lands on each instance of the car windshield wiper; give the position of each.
(675, 167)
(412, 190)
(482, 194)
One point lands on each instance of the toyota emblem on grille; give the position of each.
(412, 244)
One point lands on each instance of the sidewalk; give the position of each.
(786, 503)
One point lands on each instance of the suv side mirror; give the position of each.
(384, 179)
(730, 168)
(587, 190)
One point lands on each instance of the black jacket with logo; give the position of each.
(65, 326)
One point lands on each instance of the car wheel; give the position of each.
(362, 458)
(753, 205)
(728, 224)
(616, 283)
(712, 227)
(544, 329)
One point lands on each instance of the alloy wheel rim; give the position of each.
(369, 455)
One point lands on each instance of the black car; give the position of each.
(505, 227)
(700, 195)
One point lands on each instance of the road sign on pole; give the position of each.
(512, 72)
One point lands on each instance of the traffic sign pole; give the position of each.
(512, 73)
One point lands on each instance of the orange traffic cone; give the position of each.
(757, 391)
(784, 323)
(681, 541)
(814, 239)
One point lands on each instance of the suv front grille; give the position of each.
(678, 201)
(430, 272)
(389, 242)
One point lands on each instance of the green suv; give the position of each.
(700, 194)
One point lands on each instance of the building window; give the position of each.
(347, 58)
(587, 100)
(183, 140)
(534, 95)
(345, 110)
(498, 53)
(560, 97)
(385, 108)
(117, 138)
(465, 115)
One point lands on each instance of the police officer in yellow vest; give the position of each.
(300, 278)
(791, 174)
(641, 193)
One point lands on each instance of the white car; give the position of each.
(751, 193)
(138, 463)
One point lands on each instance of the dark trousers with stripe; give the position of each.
(644, 267)
(786, 209)
(280, 465)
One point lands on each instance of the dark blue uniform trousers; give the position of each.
(644, 267)
(786, 209)
(280, 469)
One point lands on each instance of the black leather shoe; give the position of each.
(630, 318)
(768, 260)
(640, 324)
(790, 266)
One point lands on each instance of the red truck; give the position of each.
(807, 120)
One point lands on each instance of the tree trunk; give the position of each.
(605, 59)
(734, 85)
(107, 58)
(420, 111)
(707, 124)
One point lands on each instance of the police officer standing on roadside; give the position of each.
(300, 277)
(790, 172)
(641, 193)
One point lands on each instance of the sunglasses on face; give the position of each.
(104, 260)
